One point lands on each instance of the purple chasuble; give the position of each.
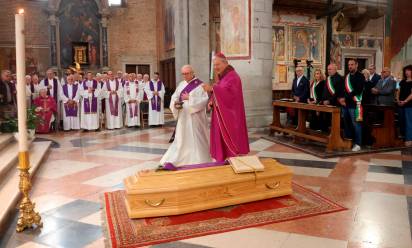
(114, 107)
(156, 100)
(87, 108)
(46, 83)
(71, 111)
(190, 86)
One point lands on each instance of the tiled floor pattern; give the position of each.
(377, 189)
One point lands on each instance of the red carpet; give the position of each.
(124, 232)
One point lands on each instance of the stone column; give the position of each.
(104, 49)
(192, 37)
(256, 73)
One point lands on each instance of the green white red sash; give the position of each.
(313, 94)
(331, 87)
(357, 99)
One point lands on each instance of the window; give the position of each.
(116, 2)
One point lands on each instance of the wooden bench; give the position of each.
(333, 141)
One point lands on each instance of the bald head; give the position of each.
(187, 73)
(332, 69)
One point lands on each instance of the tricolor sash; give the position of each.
(156, 100)
(357, 99)
(90, 107)
(136, 107)
(190, 87)
(330, 86)
(71, 111)
(114, 107)
(313, 94)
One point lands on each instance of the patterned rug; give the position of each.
(121, 231)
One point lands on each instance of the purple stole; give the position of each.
(114, 108)
(87, 108)
(155, 101)
(131, 114)
(70, 111)
(121, 80)
(190, 86)
(46, 83)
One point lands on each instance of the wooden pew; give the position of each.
(384, 132)
(333, 141)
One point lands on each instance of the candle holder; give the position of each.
(28, 217)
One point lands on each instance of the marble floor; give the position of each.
(376, 188)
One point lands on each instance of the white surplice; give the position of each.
(70, 122)
(155, 117)
(191, 143)
(113, 121)
(89, 121)
(132, 92)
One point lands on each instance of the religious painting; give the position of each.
(235, 28)
(79, 22)
(368, 42)
(282, 74)
(306, 43)
(279, 43)
(336, 52)
(346, 39)
(280, 77)
(169, 25)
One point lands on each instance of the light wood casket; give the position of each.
(163, 193)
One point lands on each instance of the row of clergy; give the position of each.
(82, 102)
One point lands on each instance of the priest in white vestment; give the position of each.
(155, 91)
(90, 111)
(191, 143)
(70, 96)
(113, 93)
(132, 96)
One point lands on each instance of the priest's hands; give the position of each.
(207, 87)
(156, 93)
(185, 96)
(210, 105)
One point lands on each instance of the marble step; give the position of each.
(8, 158)
(5, 140)
(9, 185)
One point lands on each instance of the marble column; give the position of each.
(192, 37)
(256, 73)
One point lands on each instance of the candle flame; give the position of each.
(21, 11)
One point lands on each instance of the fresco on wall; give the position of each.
(235, 28)
(279, 43)
(306, 43)
(79, 22)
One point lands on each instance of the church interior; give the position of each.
(103, 93)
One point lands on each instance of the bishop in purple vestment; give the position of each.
(228, 131)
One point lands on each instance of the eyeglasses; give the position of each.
(186, 73)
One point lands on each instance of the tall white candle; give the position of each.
(21, 85)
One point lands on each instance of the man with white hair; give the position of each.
(132, 97)
(155, 91)
(90, 111)
(188, 105)
(113, 93)
(45, 109)
(52, 84)
(70, 96)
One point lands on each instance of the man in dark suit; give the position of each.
(374, 78)
(300, 87)
(385, 89)
(6, 91)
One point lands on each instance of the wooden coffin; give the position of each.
(163, 193)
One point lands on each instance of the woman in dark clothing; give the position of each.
(405, 102)
(317, 86)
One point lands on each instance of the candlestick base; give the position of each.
(28, 217)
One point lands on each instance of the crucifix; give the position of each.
(330, 12)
